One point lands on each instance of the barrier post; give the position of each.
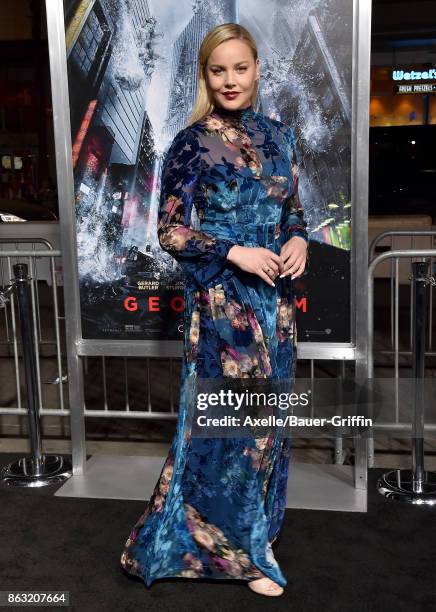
(36, 469)
(415, 486)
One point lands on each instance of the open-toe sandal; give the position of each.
(266, 586)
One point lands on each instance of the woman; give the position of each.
(219, 502)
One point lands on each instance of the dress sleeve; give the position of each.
(201, 256)
(293, 219)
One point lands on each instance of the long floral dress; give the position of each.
(219, 503)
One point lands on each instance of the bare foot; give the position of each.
(265, 586)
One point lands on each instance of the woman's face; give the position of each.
(232, 69)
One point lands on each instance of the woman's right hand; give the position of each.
(257, 260)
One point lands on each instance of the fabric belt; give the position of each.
(244, 234)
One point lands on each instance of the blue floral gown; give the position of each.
(219, 503)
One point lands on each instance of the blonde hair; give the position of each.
(204, 103)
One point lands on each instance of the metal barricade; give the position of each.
(36, 469)
(395, 256)
(9, 343)
(394, 277)
(8, 328)
(416, 485)
(44, 327)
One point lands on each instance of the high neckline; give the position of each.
(237, 113)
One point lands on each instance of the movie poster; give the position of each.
(132, 68)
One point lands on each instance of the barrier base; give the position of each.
(25, 472)
(399, 485)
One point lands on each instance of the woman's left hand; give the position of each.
(294, 254)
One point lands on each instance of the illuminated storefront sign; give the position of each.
(423, 76)
(414, 75)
